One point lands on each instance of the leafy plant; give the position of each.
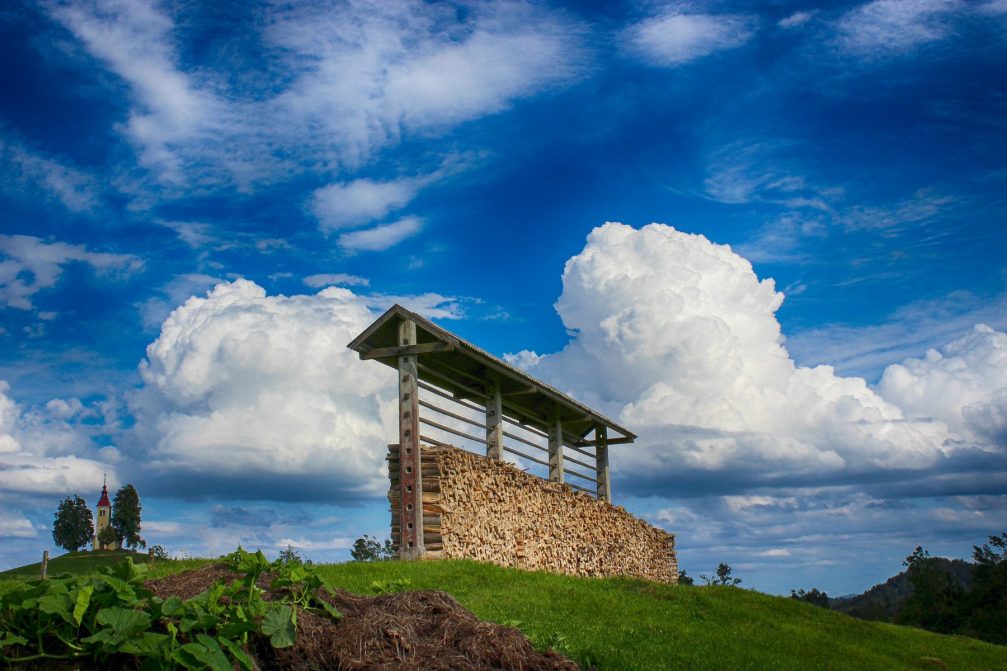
(110, 613)
(390, 586)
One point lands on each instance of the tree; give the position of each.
(73, 526)
(159, 552)
(723, 577)
(370, 549)
(292, 556)
(107, 537)
(936, 601)
(685, 579)
(126, 517)
(814, 597)
(986, 602)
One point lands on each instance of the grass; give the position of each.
(75, 562)
(622, 623)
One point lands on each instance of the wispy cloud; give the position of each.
(349, 79)
(381, 237)
(335, 279)
(889, 27)
(675, 37)
(29, 265)
(29, 171)
(907, 332)
(350, 204)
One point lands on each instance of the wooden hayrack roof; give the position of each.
(473, 374)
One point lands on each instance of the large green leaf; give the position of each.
(253, 563)
(244, 661)
(55, 604)
(171, 606)
(83, 601)
(10, 639)
(278, 624)
(148, 644)
(123, 621)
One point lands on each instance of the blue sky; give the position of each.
(811, 340)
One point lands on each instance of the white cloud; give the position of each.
(42, 453)
(350, 204)
(381, 237)
(155, 309)
(889, 27)
(24, 255)
(796, 19)
(330, 279)
(675, 38)
(678, 338)
(908, 332)
(344, 81)
(15, 525)
(241, 387)
(964, 385)
(75, 189)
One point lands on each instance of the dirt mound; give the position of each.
(408, 630)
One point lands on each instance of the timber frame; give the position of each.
(507, 404)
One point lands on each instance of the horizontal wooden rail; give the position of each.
(476, 439)
(580, 475)
(519, 439)
(525, 427)
(580, 463)
(444, 394)
(525, 456)
(583, 489)
(430, 371)
(434, 441)
(460, 418)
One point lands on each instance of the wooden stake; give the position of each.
(45, 563)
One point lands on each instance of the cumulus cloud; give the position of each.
(29, 265)
(244, 391)
(963, 384)
(675, 38)
(678, 338)
(42, 453)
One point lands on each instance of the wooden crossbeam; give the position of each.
(406, 350)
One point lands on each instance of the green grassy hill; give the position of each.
(75, 563)
(622, 623)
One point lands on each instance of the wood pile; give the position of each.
(489, 510)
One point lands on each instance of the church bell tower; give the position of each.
(104, 514)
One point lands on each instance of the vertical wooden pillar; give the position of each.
(494, 425)
(410, 477)
(601, 463)
(45, 563)
(556, 451)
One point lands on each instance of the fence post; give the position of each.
(45, 563)
(556, 450)
(601, 463)
(150, 555)
(494, 425)
(410, 476)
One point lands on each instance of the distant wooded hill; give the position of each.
(882, 602)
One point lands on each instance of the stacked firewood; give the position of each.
(489, 510)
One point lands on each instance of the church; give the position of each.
(102, 521)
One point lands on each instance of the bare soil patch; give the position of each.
(409, 630)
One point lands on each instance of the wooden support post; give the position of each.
(556, 450)
(410, 477)
(45, 563)
(150, 556)
(494, 425)
(601, 456)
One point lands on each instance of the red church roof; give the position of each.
(103, 501)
